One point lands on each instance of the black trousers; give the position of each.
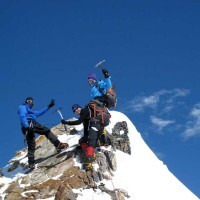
(94, 132)
(30, 138)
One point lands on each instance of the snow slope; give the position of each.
(142, 174)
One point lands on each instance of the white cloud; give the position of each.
(160, 123)
(180, 92)
(140, 103)
(196, 111)
(177, 92)
(167, 108)
(193, 126)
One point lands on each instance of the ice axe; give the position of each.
(61, 116)
(99, 64)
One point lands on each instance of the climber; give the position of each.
(102, 91)
(93, 127)
(30, 126)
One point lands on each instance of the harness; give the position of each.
(99, 111)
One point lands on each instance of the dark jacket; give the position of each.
(85, 116)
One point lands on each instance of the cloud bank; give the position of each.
(140, 103)
(160, 123)
(167, 108)
(193, 125)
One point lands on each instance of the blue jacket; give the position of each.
(99, 88)
(25, 112)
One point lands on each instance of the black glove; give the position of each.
(64, 122)
(105, 73)
(52, 103)
(29, 129)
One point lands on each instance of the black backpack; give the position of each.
(100, 112)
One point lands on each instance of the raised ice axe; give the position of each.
(99, 64)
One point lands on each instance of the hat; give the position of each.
(75, 107)
(92, 76)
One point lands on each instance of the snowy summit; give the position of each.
(139, 174)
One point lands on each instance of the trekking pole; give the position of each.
(61, 116)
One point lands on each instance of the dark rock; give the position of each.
(14, 166)
(64, 193)
(50, 164)
(119, 138)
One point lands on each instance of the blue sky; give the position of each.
(152, 51)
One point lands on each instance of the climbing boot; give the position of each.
(31, 166)
(88, 160)
(62, 146)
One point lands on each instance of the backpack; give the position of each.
(109, 96)
(100, 112)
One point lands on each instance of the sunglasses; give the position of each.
(91, 81)
(75, 109)
(30, 101)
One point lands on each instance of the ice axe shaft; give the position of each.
(61, 116)
(58, 110)
(99, 64)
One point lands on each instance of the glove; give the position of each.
(105, 73)
(64, 122)
(52, 103)
(29, 129)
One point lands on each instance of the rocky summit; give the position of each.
(59, 175)
(125, 168)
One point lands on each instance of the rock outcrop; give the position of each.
(57, 174)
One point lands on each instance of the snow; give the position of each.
(30, 191)
(141, 174)
(89, 194)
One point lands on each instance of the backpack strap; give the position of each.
(95, 109)
(94, 105)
